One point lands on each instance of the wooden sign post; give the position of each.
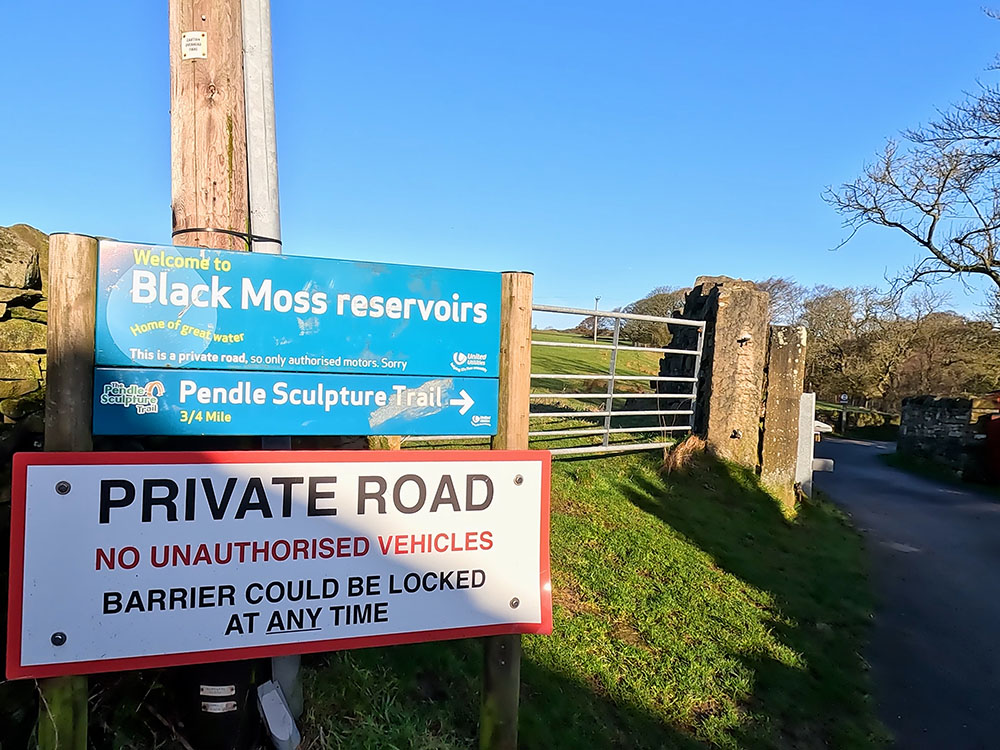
(62, 712)
(502, 654)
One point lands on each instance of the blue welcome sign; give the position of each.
(219, 310)
(235, 317)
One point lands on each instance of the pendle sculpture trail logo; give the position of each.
(145, 399)
(467, 361)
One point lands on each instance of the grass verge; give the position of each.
(688, 613)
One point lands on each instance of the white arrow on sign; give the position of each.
(465, 402)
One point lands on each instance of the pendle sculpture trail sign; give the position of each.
(180, 558)
(185, 335)
(208, 402)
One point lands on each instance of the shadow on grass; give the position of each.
(813, 569)
(427, 696)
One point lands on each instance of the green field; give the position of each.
(564, 360)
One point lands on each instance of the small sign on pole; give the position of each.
(844, 398)
(136, 560)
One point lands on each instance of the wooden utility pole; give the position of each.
(208, 154)
(62, 710)
(502, 653)
(210, 208)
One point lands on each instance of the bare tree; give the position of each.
(991, 311)
(883, 347)
(662, 302)
(939, 186)
(677, 292)
(858, 339)
(944, 196)
(786, 298)
(605, 325)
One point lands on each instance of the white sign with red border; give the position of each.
(137, 560)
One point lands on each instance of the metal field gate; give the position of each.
(602, 394)
(610, 396)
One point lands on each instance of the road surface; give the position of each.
(935, 560)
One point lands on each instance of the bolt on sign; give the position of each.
(198, 341)
(137, 560)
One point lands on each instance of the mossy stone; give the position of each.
(21, 406)
(13, 388)
(17, 335)
(18, 366)
(26, 313)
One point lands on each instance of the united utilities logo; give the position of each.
(145, 398)
(467, 362)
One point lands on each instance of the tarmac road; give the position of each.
(935, 561)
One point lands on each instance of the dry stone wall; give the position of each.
(23, 319)
(946, 431)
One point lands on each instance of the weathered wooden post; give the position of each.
(62, 713)
(502, 654)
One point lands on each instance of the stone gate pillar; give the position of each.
(784, 380)
(730, 384)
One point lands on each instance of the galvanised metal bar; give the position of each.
(624, 348)
(614, 395)
(697, 363)
(618, 448)
(609, 396)
(619, 315)
(609, 404)
(581, 431)
(599, 430)
(585, 414)
(647, 378)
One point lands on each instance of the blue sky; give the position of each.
(608, 147)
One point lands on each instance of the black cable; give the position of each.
(245, 236)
